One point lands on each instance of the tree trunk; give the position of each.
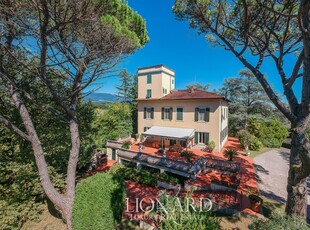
(297, 176)
(63, 202)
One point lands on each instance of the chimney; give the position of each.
(192, 89)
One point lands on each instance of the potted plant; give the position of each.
(246, 139)
(137, 136)
(126, 144)
(256, 202)
(188, 155)
(230, 154)
(211, 146)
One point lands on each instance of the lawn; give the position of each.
(257, 153)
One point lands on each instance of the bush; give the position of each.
(179, 218)
(211, 145)
(187, 155)
(248, 140)
(271, 133)
(126, 144)
(114, 168)
(279, 222)
(245, 138)
(145, 177)
(256, 144)
(99, 202)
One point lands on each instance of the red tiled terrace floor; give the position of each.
(247, 173)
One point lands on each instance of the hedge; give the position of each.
(99, 202)
(145, 177)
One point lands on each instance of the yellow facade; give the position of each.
(162, 81)
(163, 78)
(217, 122)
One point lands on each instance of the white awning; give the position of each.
(174, 133)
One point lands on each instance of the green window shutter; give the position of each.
(144, 113)
(149, 93)
(196, 114)
(162, 113)
(207, 114)
(207, 138)
(170, 113)
(149, 78)
(152, 113)
(113, 154)
(196, 138)
(179, 114)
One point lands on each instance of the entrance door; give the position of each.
(201, 138)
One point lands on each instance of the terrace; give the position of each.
(207, 173)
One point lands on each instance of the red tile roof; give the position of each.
(187, 94)
(191, 94)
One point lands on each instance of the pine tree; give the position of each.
(123, 90)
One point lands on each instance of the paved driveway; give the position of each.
(272, 170)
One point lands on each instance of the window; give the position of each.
(201, 138)
(172, 81)
(202, 114)
(173, 142)
(180, 114)
(149, 93)
(148, 113)
(164, 91)
(149, 79)
(166, 113)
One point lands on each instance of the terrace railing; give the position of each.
(156, 161)
(114, 144)
(221, 165)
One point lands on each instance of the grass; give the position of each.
(47, 221)
(270, 206)
(235, 222)
(257, 153)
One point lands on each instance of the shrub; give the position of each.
(126, 144)
(256, 144)
(271, 133)
(245, 138)
(279, 221)
(145, 177)
(182, 217)
(114, 168)
(113, 136)
(187, 155)
(211, 145)
(99, 202)
(230, 154)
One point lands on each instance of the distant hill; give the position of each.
(100, 97)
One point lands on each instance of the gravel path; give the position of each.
(272, 170)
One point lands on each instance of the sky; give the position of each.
(182, 49)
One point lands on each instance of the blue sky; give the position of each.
(175, 45)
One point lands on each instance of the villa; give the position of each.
(170, 122)
(175, 127)
(181, 118)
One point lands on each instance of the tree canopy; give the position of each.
(256, 30)
(81, 40)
